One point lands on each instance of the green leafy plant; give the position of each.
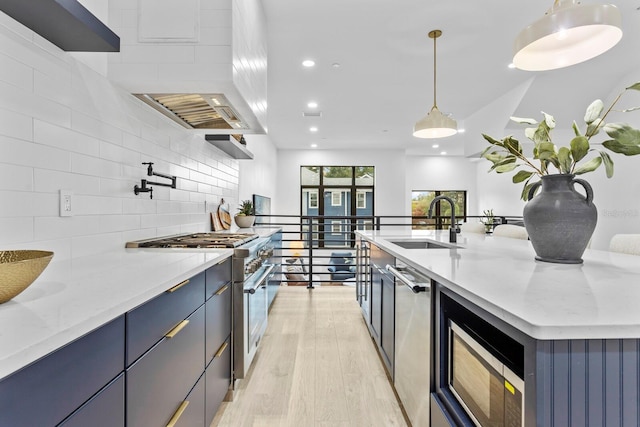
(246, 208)
(488, 217)
(507, 154)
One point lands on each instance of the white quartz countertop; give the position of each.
(597, 299)
(73, 297)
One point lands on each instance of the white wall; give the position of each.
(259, 176)
(64, 126)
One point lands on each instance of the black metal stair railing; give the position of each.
(308, 242)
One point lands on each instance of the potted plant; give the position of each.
(488, 220)
(246, 214)
(560, 221)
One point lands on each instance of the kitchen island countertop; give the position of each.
(594, 300)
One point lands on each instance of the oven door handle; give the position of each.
(416, 288)
(260, 280)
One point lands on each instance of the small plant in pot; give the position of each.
(560, 221)
(246, 214)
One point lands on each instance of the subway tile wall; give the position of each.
(65, 126)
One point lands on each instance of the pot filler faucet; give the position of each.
(453, 230)
(150, 172)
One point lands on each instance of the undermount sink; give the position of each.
(423, 244)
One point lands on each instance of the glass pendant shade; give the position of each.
(569, 33)
(435, 125)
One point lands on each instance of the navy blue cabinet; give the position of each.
(141, 369)
(191, 411)
(158, 382)
(218, 276)
(147, 324)
(218, 379)
(49, 390)
(218, 308)
(105, 409)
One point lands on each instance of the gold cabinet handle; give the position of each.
(173, 332)
(178, 286)
(222, 289)
(221, 350)
(176, 416)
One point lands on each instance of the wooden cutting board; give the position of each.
(216, 224)
(224, 215)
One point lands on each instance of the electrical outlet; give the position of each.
(66, 203)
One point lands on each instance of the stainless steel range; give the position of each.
(253, 269)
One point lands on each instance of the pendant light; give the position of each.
(435, 124)
(569, 33)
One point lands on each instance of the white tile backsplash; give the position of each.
(15, 124)
(65, 126)
(17, 178)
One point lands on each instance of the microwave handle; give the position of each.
(260, 281)
(412, 285)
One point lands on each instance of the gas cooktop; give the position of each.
(196, 240)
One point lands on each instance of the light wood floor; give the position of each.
(316, 366)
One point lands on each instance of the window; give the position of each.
(313, 199)
(421, 200)
(336, 198)
(336, 192)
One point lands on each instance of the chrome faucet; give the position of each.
(453, 230)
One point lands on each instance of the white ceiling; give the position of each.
(385, 80)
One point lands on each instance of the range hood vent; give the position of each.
(196, 111)
(230, 145)
(65, 23)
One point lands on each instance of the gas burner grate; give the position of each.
(197, 240)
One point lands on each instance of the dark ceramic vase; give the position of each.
(559, 220)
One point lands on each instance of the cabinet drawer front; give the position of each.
(218, 380)
(193, 414)
(147, 324)
(218, 276)
(47, 391)
(106, 409)
(159, 381)
(218, 326)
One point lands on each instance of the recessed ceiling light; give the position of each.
(313, 129)
(312, 104)
(435, 146)
(443, 153)
(314, 145)
(336, 65)
(308, 63)
(460, 130)
(511, 65)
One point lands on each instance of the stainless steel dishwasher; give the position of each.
(412, 341)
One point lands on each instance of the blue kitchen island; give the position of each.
(571, 333)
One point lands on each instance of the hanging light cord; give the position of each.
(434, 34)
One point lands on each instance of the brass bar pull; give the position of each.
(221, 350)
(178, 286)
(176, 416)
(222, 289)
(173, 332)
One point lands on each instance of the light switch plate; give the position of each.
(66, 203)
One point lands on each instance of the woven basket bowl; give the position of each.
(18, 269)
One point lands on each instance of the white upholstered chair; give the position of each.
(472, 227)
(625, 243)
(510, 230)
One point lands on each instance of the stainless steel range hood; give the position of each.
(196, 111)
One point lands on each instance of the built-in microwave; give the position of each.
(489, 392)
